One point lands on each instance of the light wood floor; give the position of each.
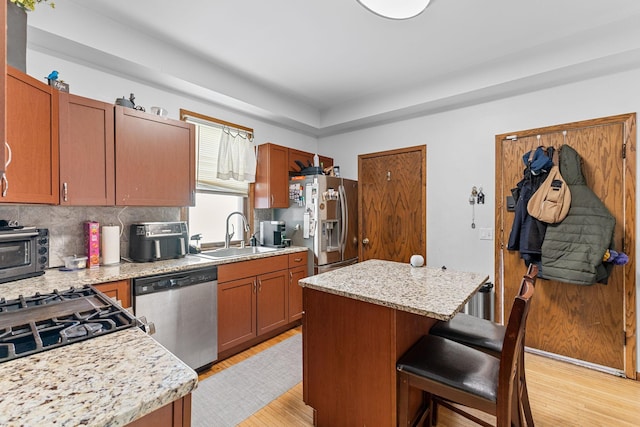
(561, 394)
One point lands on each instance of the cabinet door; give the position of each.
(302, 156)
(31, 148)
(272, 178)
(325, 162)
(306, 159)
(273, 300)
(295, 292)
(87, 169)
(236, 312)
(119, 291)
(155, 160)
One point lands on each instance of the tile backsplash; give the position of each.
(65, 223)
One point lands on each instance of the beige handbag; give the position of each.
(551, 202)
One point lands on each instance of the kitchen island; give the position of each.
(358, 320)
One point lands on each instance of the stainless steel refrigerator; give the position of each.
(323, 216)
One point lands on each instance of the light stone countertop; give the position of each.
(427, 291)
(105, 381)
(57, 279)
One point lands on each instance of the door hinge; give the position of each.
(624, 150)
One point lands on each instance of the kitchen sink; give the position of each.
(232, 252)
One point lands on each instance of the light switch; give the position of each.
(486, 234)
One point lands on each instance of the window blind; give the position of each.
(208, 137)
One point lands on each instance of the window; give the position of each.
(217, 198)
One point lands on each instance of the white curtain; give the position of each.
(236, 157)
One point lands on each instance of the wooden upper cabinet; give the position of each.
(155, 160)
(272, 178)
(3, 81)
(87, 169)
(325, 161)
(306, 159)
(31, 149)
(301, 156)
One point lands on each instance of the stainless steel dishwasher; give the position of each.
(183, 308)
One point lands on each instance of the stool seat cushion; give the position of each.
(471, 330)
(453, 364)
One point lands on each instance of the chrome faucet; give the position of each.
(227, 235)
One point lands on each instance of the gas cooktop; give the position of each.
(41, 322)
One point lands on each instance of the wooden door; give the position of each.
(155, 160)
(391, 200)
(32, 157)
(587, 323)
(272, 304)
(87, 168)
(236, 312)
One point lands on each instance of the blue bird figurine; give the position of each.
(53, 75)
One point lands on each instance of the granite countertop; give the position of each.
(427, 291)
(110, 380)
(57, 279)
(105, 381)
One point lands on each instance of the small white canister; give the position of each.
(416, 261)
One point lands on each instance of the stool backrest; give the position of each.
(513, 345)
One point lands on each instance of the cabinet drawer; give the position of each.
(298, 259)
(254, 267)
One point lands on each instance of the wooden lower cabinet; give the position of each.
(175, 414)
(297, 270)
(236, 312)
(257, 298)
(272, 301)
(119, 290)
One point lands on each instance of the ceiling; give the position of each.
(329, 66)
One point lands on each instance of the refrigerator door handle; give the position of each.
(344, 223)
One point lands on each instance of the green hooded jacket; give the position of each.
(572, 250)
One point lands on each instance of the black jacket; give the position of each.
(527, 233)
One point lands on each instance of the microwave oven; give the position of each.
(24, 252)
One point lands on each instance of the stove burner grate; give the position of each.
(43, 322)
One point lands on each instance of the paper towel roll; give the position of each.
(110, 244)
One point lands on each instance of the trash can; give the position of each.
(482, 303)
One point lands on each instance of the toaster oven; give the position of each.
(24, 252)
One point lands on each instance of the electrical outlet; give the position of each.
(486, 234)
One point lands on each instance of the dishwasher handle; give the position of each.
(166, 282)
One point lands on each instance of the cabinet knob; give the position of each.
(365, 241)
